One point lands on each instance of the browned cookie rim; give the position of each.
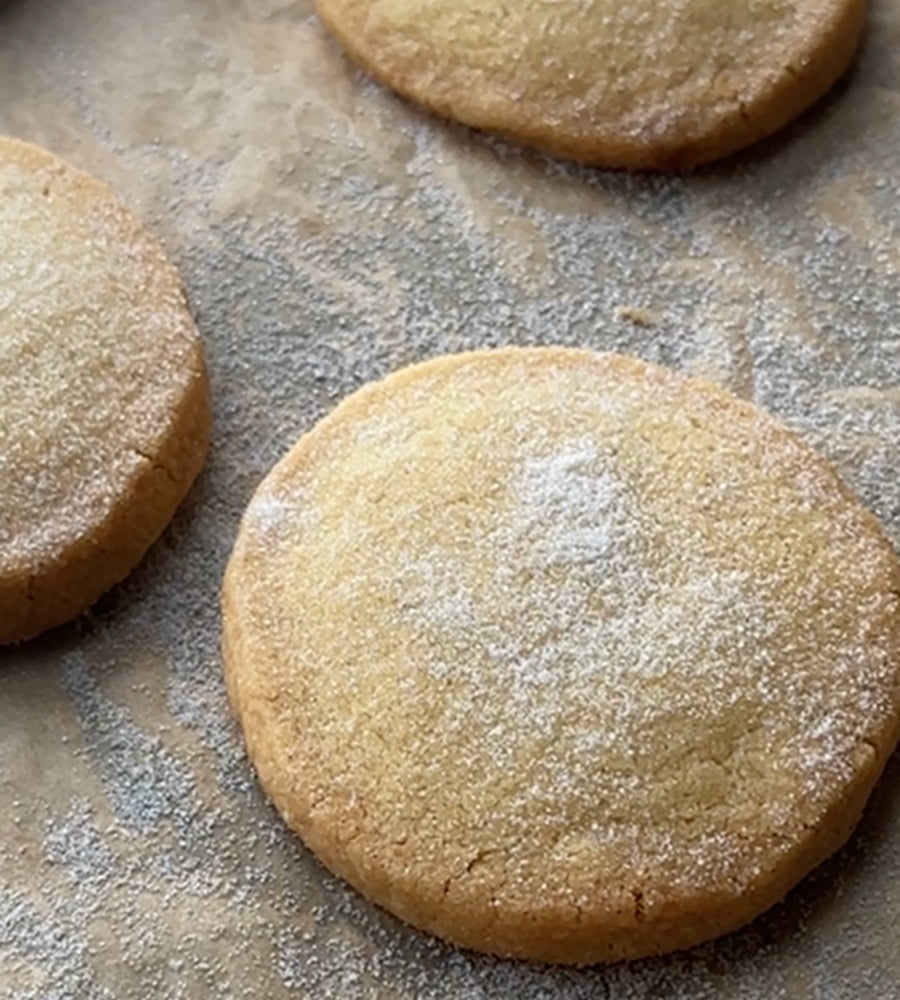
(624, 926)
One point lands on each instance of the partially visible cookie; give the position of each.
(637, 84)
(562, 656)
(104, 400)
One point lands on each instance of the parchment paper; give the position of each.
(328, 233)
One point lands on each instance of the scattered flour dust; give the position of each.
(140, 858)
(580, 632)
(571, 514)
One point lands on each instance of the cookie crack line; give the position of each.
(154, 463)
(480, 857)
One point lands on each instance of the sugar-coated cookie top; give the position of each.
(560, 631)
(637, 83)
(98, 354)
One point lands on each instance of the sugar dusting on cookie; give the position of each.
(565, 613)
(104, 410)
(576, 614)
(368, 237)
(97, 351)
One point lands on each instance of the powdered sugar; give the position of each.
(570, 514)
(329, 233)
(97, 355)
(643, 633)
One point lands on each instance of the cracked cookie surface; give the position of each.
(104, 400)
(640, 84)
(560, 655)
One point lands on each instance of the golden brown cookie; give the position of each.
(560, 655)
(639, 84)
(104, 401)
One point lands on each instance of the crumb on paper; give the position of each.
(637, 315)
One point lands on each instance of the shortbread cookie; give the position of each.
(562, 656)
(104, 406)
(638, 84)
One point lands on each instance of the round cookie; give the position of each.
(559, 655)
(104, 400)
(642, 84)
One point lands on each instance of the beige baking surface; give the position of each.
(328, 233)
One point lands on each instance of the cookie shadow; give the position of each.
(10, 9)
(158, 576)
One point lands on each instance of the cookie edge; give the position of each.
(35, 599)
(593, 938)
(750, 121)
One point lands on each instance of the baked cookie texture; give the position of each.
(638, 84)
(104, 400)
(562, 656)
